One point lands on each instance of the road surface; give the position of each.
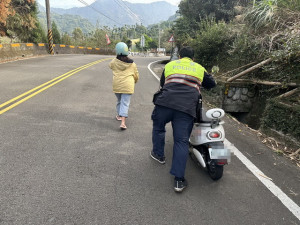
(64, 160)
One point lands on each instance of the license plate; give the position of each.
(215, 153)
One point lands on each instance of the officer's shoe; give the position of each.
(157, 158)
(179, 184)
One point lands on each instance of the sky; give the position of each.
(75, 3)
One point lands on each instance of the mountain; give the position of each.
(118, 13)
(65, 23)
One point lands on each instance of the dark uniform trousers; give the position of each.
(182, 124)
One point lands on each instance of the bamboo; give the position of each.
(249, 69)
(269, 83)
(289, 93)
(276, 83)
(286, 105)
(295, 153)
(238, 68)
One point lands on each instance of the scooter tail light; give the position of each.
(221, 162)
(214, 134)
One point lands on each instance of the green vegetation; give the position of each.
(21, 22)
(283, 118)
(67, 23)
(212, 42)
(56, 34)
(237, 33)
(231, 34)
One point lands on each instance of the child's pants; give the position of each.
(123, 104)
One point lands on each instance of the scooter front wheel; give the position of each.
(215, 172)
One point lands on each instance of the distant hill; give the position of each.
(66, 23)
(174, 17)
(120, 14)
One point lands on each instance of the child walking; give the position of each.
(125, 76)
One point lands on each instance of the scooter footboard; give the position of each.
(218, 151)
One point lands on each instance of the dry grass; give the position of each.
(279, 148)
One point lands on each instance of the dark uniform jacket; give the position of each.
(182, 96)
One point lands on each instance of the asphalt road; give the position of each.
(64, 160)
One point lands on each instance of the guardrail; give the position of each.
(18, 50)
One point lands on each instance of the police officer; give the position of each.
(176, 103)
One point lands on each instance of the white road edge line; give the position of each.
(286, 201)
(289, 203)
(149, 68)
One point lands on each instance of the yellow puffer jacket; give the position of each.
(125, 76)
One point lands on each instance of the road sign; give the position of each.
(142, 41)
(171, 39)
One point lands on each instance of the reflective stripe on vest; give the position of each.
(183, 81)
(187, 77)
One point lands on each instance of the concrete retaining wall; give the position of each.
(18, 50)
(238, 97)
(234, 97)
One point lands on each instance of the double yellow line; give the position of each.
(31, 93)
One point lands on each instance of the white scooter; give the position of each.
(207, 142)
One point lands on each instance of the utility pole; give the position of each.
(158, 37)
(50, 36)
(142, 42)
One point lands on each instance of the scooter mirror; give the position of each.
(215, 113)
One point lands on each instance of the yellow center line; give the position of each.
(57, 80)
(32, 90)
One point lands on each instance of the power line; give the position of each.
(129, 11)
(139, 19)
(118, 2)
(83, 2)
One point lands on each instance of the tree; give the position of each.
(77, 35)
(56, 34)
(193, 12)
(98, 38)
(149, 43)
(213, 42)
(66, 39)
(39, 34)
(4, 9)
(22, 22)
(183, 32)
(196, 10)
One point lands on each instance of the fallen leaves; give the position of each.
(281, 149)
(278, 147)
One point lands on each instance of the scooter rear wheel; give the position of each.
(215, 172)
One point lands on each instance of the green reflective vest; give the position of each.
(185, 66)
